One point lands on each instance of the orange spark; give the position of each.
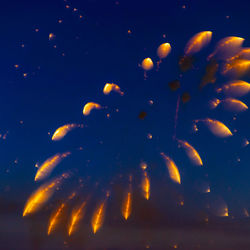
(227, 47)
(237, 67)
(147, 64)
(198, 42)
(229, 104)
(191, 152)
(98, 217)
(46, 168)
(127, 204)
(216, 127)
(172, 169)
(52, 36)
(39, 197)
(54, 218)
(63, 130)
(89, 107)
(145, 185)
(76, 216)
(163, 50)
(112, 87)
(149, 136)
(235, 88)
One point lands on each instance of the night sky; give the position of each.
(45, 84)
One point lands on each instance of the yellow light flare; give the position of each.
(194, 128)
(173, 170)
(230, 104)
(227, 47)
(89, 107)
(218, 206)
(112, 87)
(143, 165)
(52, 36)
(145, 185)
(47, 167)
(149, 136)
(54, 218)
(163, 50)
(206, 219)
(61, 132)
(224, 211)
(245, 142)
(245, 212)
(214, 103)
(198, 42)
(39, 197)
(76, 216)
(216, 127)
(73, 195)
(98, 217)
(147, 64)
(202, 186)
(191, 152)
(237, 67)
(127, 204)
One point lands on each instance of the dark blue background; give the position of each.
(98, 49)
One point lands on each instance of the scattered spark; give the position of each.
(143, 166)
(245, 142)
(52, 36)
(149, 136)
(151, 102)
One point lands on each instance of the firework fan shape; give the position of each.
(124, 196)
